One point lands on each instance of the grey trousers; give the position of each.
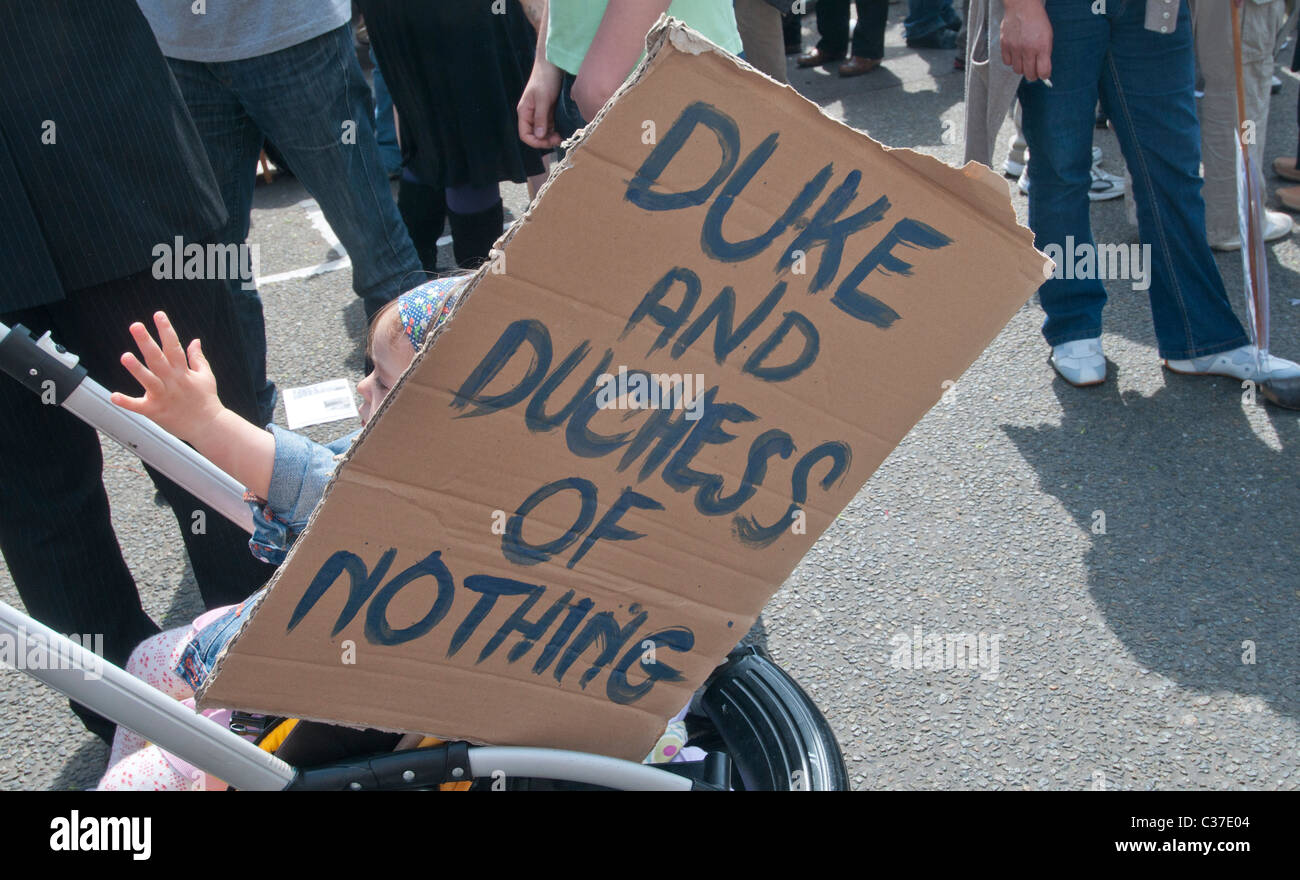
(1260, 26)
(759, 24)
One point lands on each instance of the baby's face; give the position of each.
(391, 353)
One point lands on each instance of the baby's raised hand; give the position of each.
(180, 391)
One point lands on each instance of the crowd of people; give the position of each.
(144, 122)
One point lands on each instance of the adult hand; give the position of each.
(180, 391)
(537, 107)
(1027, 39)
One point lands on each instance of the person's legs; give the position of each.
(154, 662)
(869, 33)
(477, 218)
(232, 142)
(390, 153)
(99, 318)
(759, 24)
(925, 17)
(792, 31)
(1147, 91)
(1057, 123)
(424, 211)
(833, 26)
(313, 102)
(55, 531)
(1218, 108)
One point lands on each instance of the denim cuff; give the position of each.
(301, 470)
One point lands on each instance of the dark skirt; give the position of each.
(456, 71)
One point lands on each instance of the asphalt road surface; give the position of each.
(1119, 649)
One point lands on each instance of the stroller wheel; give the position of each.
(777, 738)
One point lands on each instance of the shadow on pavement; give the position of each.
(83, 769)
(1193, 554)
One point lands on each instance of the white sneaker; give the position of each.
(1276, 225)
(1103, 188)
(1012, 168)
(1081, 362)
(1016, 147)
(1240, 363)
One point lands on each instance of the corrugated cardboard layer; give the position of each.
(427, 478)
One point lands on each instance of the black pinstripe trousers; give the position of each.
(55, 531)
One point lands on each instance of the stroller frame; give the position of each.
(764, 711)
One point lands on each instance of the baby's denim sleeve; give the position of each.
(298, 478)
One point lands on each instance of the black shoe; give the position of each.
(472, 235)
(940, 39)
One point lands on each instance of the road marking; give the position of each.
(306, 271)
(317, 219)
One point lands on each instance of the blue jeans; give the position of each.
(385, 126)
(311, 100)
(924, 17)
(1144, 80)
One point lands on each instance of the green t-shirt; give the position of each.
(571, 26)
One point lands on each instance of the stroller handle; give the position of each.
(126, 700)
(54, 373)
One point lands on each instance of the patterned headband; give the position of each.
(425, 308)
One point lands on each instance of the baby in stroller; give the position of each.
(285, 475)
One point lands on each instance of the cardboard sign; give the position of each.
(723, 312)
